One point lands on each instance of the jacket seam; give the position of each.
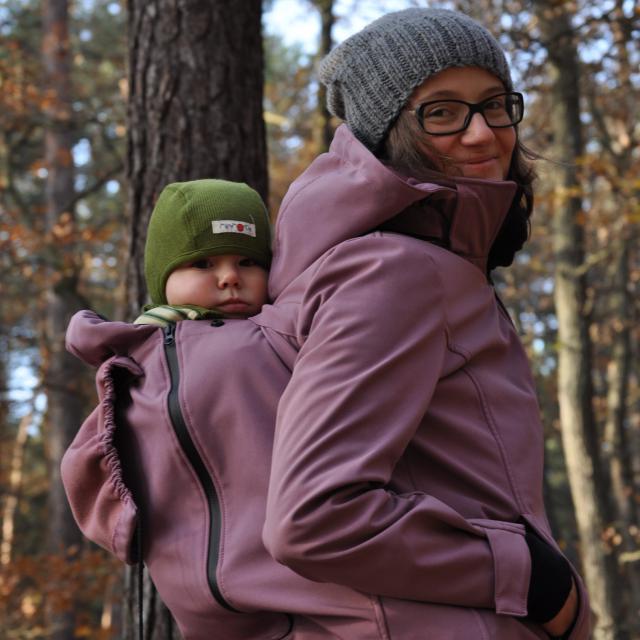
(270, 327)
(481, 624)
(380, 617)
(458, 349)
(486, 410)
(126, 552)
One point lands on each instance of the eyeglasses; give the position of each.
(445, 117)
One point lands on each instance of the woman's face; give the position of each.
(479, 151)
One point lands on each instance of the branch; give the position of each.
(98, 184)
(601, 126)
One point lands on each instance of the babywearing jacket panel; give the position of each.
(101, 502)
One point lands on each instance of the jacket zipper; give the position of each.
(189, 448)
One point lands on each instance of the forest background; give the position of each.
(76, 155)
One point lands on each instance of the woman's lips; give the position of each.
(487, 167)
(478, 161)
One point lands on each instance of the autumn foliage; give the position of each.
(88, 239)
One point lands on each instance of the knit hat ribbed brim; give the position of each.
(371, 75)
(200, 218)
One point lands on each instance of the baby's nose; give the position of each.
(228, 277)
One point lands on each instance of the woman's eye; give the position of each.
(495, 105)
(438, 113)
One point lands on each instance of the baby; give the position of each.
(172, 467)
(207, 250)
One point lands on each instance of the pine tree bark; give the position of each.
(195, 104)
(581, 442)
(195, 111)
(60, 369)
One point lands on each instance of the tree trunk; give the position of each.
(327, 19)
(195, 104)
(579, 432)
(11, 498)
(616, 437)
(60, 369)
(195, 111)
(620, 313)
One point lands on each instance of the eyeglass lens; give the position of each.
(449, 116)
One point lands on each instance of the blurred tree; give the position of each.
(575, 387)
(324, 131)
(16, 464)
(610, 170)
(289, 106)
(44, 245)
(299, 125)
(60, 369)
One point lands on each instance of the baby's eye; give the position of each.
(200, 264)
(247, 262)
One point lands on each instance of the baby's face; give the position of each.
(233, 284)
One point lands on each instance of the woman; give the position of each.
(408, 452)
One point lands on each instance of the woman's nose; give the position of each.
(478, 130)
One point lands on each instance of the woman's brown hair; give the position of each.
(404, 151)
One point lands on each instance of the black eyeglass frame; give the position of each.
(474, 107)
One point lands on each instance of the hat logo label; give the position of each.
(233, 226)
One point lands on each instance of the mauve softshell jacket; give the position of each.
(408, 447)
(129, 467)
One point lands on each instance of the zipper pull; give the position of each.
(170, 333)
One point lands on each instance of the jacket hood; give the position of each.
(94, 339)
(348, 192)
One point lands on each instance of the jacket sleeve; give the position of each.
(92, 474)
(373, 333)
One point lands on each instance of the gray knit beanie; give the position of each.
(370, 76)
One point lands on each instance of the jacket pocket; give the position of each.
(407, 620)
(510, 564)
(509, 628)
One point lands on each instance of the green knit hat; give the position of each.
(201, 218)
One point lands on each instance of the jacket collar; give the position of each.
(348, 192)
(464, 216)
